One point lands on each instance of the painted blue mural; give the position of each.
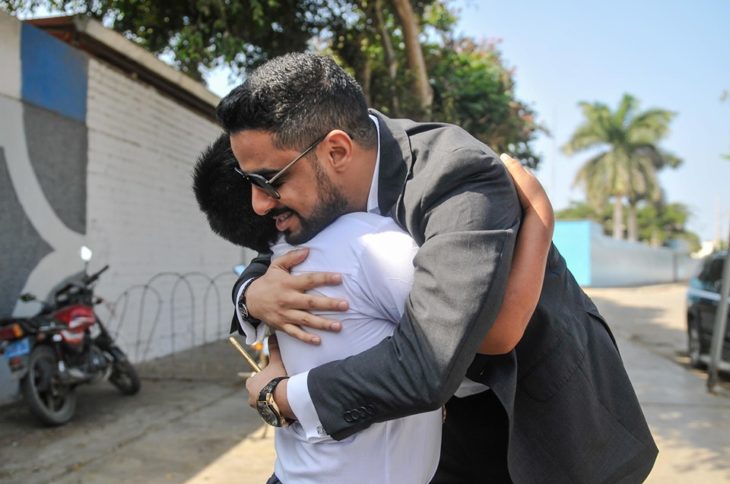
(54, 74)
(44, 158)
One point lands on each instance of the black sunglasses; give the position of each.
(267, 185)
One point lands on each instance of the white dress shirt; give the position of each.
(375, 258)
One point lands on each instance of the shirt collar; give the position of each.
(373, 205)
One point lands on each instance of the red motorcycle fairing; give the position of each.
(78, 318)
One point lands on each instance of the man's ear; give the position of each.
(339, 147)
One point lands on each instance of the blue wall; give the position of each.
(601, 261)
(54, 74)
(573, 240)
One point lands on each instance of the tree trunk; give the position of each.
(618, 218)
(364, 75)
(416, 62)
(632, 226)
(390, 60)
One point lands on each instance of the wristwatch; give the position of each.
(267, 407)
(243, 309)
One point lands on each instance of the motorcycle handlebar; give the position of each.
(65, 288)
(87, 281)
(93, 278)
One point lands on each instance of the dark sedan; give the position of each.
(703, 302)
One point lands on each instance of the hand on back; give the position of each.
(280, 299)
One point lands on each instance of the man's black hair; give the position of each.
(297, 98)
(225, 198)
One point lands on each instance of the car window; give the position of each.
(712, 271)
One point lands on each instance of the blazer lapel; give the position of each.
(395, 158)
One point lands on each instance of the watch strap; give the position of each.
(270, 387)
(267, 407)
(243, 308)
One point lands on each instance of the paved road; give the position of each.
(190, 422)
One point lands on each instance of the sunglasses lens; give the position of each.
(264, 185)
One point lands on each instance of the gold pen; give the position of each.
(246, 356)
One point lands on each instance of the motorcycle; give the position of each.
(63, 346)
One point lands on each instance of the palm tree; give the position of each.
(628, 158)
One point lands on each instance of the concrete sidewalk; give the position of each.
(191, 422)
(690, 426)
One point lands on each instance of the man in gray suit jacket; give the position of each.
(559, 408)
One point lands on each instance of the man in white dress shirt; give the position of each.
(375, 257)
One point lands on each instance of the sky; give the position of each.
(670, 54)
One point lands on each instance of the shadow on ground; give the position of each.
(691, 427)
(653, 317)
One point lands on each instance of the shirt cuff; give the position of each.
(301, 404)
(253, 333)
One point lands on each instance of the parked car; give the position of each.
(703, 302)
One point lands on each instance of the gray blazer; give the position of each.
(573, 414)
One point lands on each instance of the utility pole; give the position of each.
(720, 328)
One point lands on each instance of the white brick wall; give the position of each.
(142, 217)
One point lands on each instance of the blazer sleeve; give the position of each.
(463, 211)
(256, 268)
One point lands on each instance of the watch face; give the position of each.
(268, 414)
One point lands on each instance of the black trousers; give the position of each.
(474, 442)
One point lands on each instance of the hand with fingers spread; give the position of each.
(280, 299)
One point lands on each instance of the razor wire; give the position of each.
(173, 312)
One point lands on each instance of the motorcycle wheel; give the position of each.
(50, 400)
(125, 377)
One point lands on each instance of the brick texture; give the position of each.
(143, 219)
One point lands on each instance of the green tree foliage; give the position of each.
(660, 223)
(471, 85)
(587, 211)
(626, 156)
(370, 43)
(202, 33)
(474, 89)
